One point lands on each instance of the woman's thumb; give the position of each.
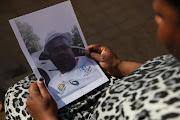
(44, 92)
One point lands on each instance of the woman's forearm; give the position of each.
(125, 67)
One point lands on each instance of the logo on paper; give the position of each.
(74, 82)
(86, 69)
(61, 88)
(82, 68)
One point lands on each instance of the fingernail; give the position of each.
(41, 80)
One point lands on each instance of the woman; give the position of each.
(145, 91)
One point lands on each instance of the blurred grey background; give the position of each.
(127, 27)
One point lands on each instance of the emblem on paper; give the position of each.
(61, 88)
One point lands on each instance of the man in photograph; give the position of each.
(64, 72)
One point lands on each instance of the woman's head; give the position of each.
(168, 20)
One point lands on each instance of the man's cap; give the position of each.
(50, 36)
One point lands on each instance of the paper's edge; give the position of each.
(40, 9)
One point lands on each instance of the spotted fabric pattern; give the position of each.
(151, 92)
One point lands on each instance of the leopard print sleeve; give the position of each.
(151, 92)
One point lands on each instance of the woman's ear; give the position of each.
(158, 19)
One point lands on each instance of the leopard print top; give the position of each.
(151, 92)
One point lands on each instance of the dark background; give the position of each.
(127, 27)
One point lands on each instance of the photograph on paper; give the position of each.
(53, 43)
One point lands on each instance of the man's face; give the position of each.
(61, 54)
(168, 29)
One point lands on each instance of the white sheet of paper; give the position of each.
(31, 31)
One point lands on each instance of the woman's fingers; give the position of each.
(44, 92)
(96, 56)
(95, 48)
(34, 90)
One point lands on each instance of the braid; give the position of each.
(175, 4)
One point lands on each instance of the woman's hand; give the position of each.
(106, 58)
(109, 62)
(40, 103)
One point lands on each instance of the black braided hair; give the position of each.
(175, 4)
